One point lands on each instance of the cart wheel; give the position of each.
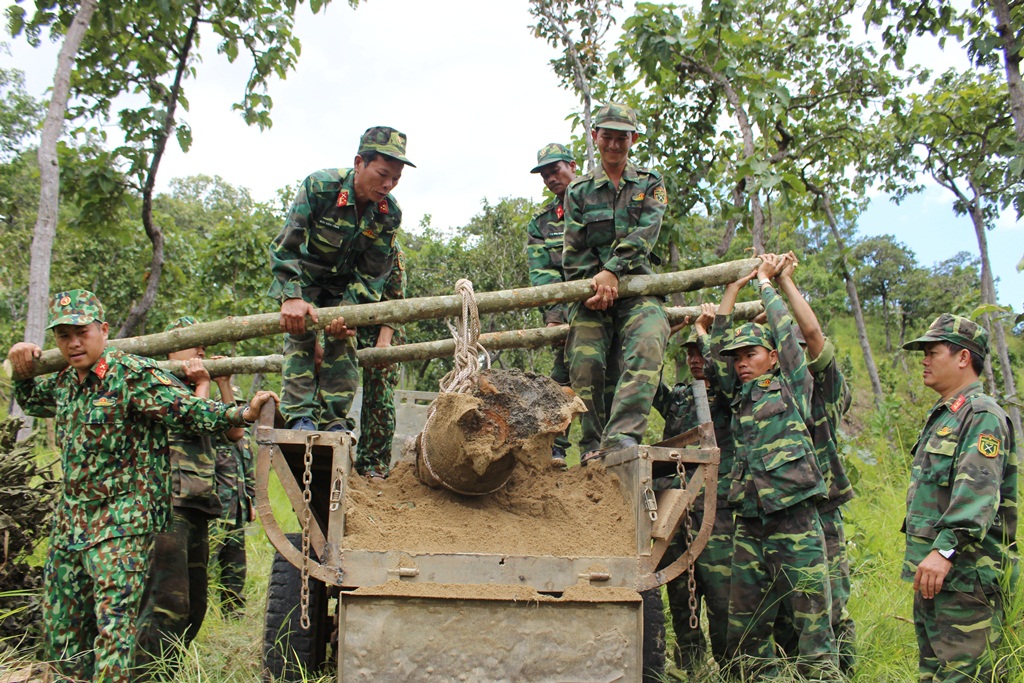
(291, 653)
(654, 636)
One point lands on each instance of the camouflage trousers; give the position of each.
(228, 564)
(324, 397)
(957, 634)
(90, 604)
(377, 417)
(642, 326)
(712, 579)
(560, 373)
(839, 583)
(174, 602)
(780, 558)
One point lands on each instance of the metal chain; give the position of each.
(307, 514)
(691, 581)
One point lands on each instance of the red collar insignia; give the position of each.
(559, 211)
(383, 206)
(101, 368)
(343, 198)
(958, 403)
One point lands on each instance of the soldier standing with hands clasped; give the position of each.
(961, 522)
(113, 411)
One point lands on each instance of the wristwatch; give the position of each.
(948, 554)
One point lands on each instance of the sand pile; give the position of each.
(576, 513)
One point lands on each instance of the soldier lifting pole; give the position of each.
(408, 310)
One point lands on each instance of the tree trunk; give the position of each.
(995, 327)
(851, 290)
(1011, 59)
(885, 322)
(533, 338)
(49, 188)
(407, 310)
(153, 231)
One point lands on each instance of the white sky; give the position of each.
(471, 87)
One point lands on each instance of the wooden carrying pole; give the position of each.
(408, 310)
(532, 338)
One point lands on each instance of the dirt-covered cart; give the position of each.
(497, 588)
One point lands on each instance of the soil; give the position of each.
(539, 512)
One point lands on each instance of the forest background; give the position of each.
(776, 125)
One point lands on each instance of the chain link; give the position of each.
(307, 514)
(691, 581)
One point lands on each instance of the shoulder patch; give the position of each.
(660, 194)
(988, 445)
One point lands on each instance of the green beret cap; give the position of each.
(183, 321)
(750, 334)
(386, 141)
(74, 307)
(956, 329)
(551, 153)
(615, 117)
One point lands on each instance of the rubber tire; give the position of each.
(291, 653)
(653, 652)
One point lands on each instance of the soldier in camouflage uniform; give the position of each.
(830, 400)
(175, 600)
(236, 488)
(377, 418)
(337, 247)
(112, 413)
(779, 547)
(612, 220)
(961, 522)
(713, 567)
(544, 245)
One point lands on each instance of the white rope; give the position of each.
(466, 331)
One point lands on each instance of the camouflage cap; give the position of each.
(551, 153)
(386, 141)
(615, 117)
(750, 334)
(956, 329)
(691, 339)
(74, 307)
(183, 321)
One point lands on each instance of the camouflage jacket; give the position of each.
(112, 434)
(963, 491)
(775, 466)
(236, 479)
(829, 402)
(544, 244)
(677, 406)
(612, 229)
(326, 244)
